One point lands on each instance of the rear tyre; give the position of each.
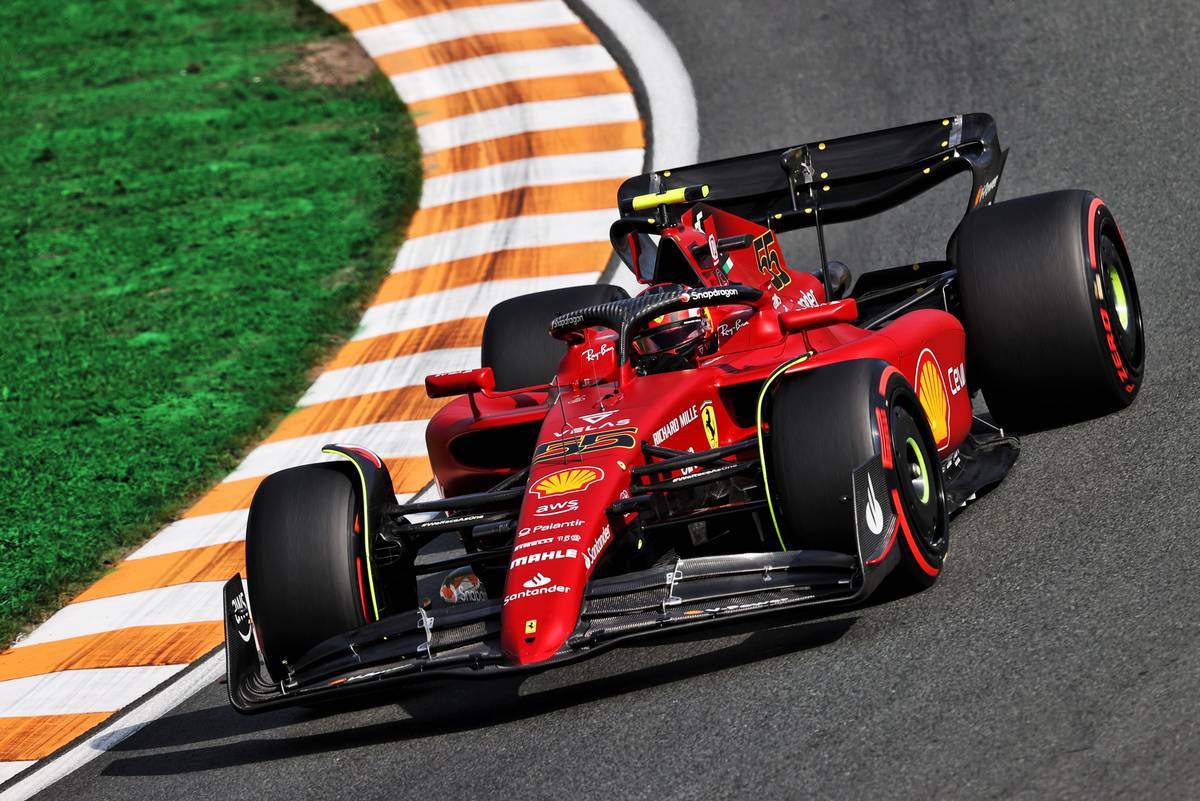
(302, 564)
(824, 427)
(1051, 310)
(516, 341)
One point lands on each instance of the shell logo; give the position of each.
(564, 482)
(935, 400)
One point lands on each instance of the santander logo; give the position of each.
(537, 581)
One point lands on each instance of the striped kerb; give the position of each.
(527, 127)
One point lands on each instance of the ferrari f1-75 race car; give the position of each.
(740, 438)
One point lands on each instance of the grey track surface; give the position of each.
(1059, 655)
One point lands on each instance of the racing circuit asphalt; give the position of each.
(1059, 655)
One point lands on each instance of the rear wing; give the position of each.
(845, 179)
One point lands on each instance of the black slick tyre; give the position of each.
(516, 341)
(851, 454)
(302, 563)
(1051, 310)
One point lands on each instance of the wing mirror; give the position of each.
(463, 382)
(842, 311)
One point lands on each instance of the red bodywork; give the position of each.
(586, 434)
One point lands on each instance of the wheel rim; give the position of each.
(1121, 300)
(920, 487)
(918, 476)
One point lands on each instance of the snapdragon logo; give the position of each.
(715, 292)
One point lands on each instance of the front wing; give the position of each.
(463, 642)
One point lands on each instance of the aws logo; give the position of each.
(935, 400)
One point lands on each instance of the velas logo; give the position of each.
(565, 482)
(935, 400)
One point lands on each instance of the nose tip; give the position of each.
(538, 639)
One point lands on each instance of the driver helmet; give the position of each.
(681, 333)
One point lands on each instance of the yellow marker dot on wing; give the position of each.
(821, 146)
(926, 171)
(824, 175)
(945, 122)
(945, 143)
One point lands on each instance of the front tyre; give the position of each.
(852, 458)
(303, 569)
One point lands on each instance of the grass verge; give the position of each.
(197, 199)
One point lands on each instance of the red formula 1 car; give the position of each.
(739, 438)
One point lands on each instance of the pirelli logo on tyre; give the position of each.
(935, 400)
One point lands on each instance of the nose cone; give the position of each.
(538, 620)
(563, 531)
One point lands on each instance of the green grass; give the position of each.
(187, 225)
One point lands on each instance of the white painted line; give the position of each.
(537, 171)
(110, 734)
(75, 692)
(10, 769)
(672, 100)
(541, 115)
(440, 307)
(531, 230)
(457, 23)
(195, 532)
(196, 602)
(388, 440)
(494, 68)
(402, 371)
(674, 120)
